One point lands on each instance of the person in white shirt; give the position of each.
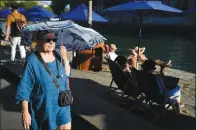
(112, 54)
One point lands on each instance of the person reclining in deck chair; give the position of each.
(174, 94)
(132, 59)
(130, 73)
(106, 49)
(122, 61)
(112, 54)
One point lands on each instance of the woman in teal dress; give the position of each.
(37, 93)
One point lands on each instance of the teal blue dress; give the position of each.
(37, 87)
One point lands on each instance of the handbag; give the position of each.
(65, 98)
(5, 43)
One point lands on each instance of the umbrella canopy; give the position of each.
(81, 13)
(38, 12)
(4, 13)
(143, 6)
(190, 10)
(140, 7)
(69, 34)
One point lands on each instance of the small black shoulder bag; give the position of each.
(65, 97)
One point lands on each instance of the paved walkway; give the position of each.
(88, 103)
(91, 110)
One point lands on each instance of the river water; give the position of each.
(181, 50)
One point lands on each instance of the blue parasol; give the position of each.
(71, 35)
(81, 13)
(143, 7)
(38, 12)
(4, 13)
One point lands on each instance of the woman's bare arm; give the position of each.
(24, 106)
(67, 67)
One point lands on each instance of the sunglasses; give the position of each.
(48, 40)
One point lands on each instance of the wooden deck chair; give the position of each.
(128, 85)
(149, 84)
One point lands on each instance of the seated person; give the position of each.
(106, 48)
(141, 57)
(112, 54)
(174, 94)
(122, 61)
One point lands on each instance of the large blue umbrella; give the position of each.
(71, 35)
(190, 10)
(81, 13)
(4, 13)
(141, 7)
(38, 12)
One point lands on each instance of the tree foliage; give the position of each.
(49, 8)
(58, 6)
(24, 4)
(28, 4)
(2, 4)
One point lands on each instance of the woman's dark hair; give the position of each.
(121, 60)
(148, 65)
(14, 6)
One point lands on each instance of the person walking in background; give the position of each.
(38, 92)
(15, 22)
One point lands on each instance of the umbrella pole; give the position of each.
(140, 35)
(90, 14)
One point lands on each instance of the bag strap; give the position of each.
(15, 18)
(59, 58)
(47, 69)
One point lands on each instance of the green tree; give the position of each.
(2, 4)
(9, 3)
(28, 4)
(24, 4)
(49, 8)
(58, 6)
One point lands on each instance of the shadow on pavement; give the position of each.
(7, 101)
(171, 121)
(7, 98)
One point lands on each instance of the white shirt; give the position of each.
(112, 55)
